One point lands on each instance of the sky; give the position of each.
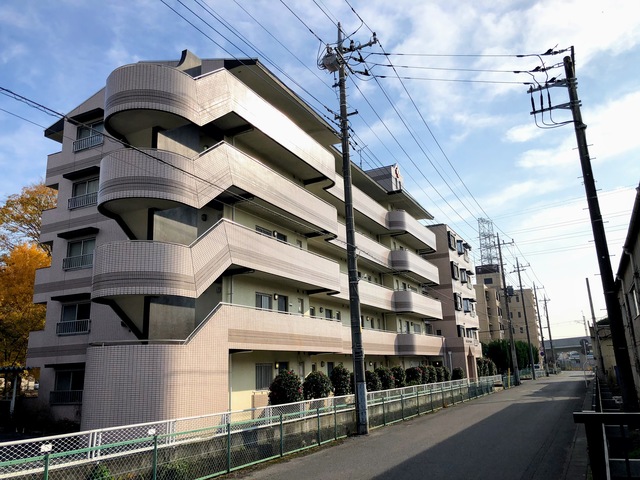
(438, 94)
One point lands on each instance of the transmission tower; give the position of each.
(488, 249)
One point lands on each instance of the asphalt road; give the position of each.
(521, 433)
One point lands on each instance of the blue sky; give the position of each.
(457, 121)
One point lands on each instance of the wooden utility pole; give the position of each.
(526, 323)
(514, 357)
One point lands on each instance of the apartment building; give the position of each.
(523, 312)
(460, 324)
(489, 308)
(198, 247)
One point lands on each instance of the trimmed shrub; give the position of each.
(399, 376)
(386, 378)
(446, 374)
(493, 370)
(432, 377)
(373, 381)
(414, 376)
(425, 374)
(457, 374)
(316, 385)
(285, 388)
(439, 374)
(340, 381)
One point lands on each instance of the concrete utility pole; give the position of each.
(335, 60)
(514, 357)
(546, 313)
(598, 349)
(544, 350)
(627, 389)
(526, 323)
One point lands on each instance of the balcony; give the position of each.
(406, 261)
(88, 142)
(82, 201)
(78, 262)
(74, 327)
(377, 342)
(406, 301)
(410, 231)
(65, 397)
(160, 268)
(129, 173)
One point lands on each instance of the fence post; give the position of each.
(46, 449)
(318, 417)
(402, 404)
(384, 413)
(228, 446)
(154, 460)
(335, 421)
(281, 436)
(418, 401)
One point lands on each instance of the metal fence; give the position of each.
(208, 446)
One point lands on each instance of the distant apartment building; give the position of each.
(198, 248)
(460, 323)
(488, 289)
(524, 318)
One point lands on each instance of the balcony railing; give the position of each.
(77, 262)
(65, 397)
(88, 142)
(83, 200)
(74, 327)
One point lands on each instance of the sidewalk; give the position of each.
(578, 467)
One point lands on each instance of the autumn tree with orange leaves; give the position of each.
(21, 255)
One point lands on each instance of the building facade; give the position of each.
(199, 247)
(460, 324)
(489, 308)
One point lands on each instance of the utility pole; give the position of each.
(514, 357)
(544, 350)
(335, 60)
(546, 312)
(597, 345)
(627, 389)
(526, 323)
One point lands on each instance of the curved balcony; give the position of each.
(410, 231)
(414, 265)
(131, 174)
(136, 95)
(376, 342)
(142, 96)
(367, 211)
(406, 301)
(158, 268)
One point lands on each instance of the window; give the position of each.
(301, 306)
(264, 376)
(89, 136)
(488, 281)
(79, 254)
(466, 305)
(455, 271)
(464, 278)
(338, 316)
(417, 328)
(280, 236)
(75, 319)
(84, 193)
(263, 231)
(451, 240)
(457, 298)
(328, 313)
(519, 314)
(283, 303)
(68, 386)
(263, 300)
(460, 247)
(312, 311)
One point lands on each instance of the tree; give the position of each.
(399, 376)
(372, 380)
(457, 374)
(340, 380)
(414, 376)
(316, 385)
(499, 352)
(21, 216)
(18, 314)
(386, 378)
(285, 388)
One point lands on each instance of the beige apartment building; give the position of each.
(198, 247)
(522, 309)
(460, 324)
(489, 308)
